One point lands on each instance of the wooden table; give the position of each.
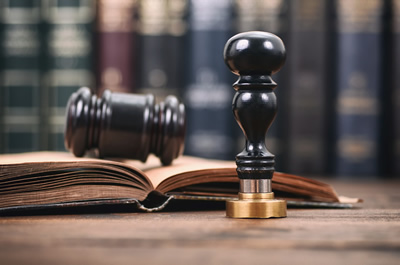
(366, 235)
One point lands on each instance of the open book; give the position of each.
(52, 179)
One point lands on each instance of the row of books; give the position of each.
(46, 54)
(341, 111)
(338, 94)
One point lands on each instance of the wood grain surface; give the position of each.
(369, 234)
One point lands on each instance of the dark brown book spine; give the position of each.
(115, 45)
(306, 97)
(177, 30)
(396, 87)
(152, 42)
(161, 28)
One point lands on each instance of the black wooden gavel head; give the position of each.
(124, 125)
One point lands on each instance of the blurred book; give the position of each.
(306, 96)
(116, 47)
(211, 128)
(395, 98)
(161, 29)
(20, 93)
(357, 105)
(67, 60)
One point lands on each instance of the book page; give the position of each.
(38, 157)
(183, 164)
(54, 177)
(152, 169)
(46, 160)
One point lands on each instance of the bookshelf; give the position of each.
(50, 48)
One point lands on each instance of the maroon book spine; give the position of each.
(115, 46)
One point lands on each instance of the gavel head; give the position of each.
(124, 125)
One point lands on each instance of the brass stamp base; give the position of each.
(256, 205)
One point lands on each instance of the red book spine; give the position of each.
(115, 45)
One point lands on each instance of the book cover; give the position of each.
(211, 128)
(20, 94)
(306, 153)
(357, 103)
(67, 63)
(161, 26)
(115, 45)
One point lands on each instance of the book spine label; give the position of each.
(115, 41)
(307, 61)
(211, 130)
(67, 60)
(358, 83)
(20, 76)
(162, 27)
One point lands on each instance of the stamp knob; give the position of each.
(254, 56)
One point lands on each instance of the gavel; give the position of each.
(121, 125)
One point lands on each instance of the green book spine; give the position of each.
(67, 60)
(20, 76)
